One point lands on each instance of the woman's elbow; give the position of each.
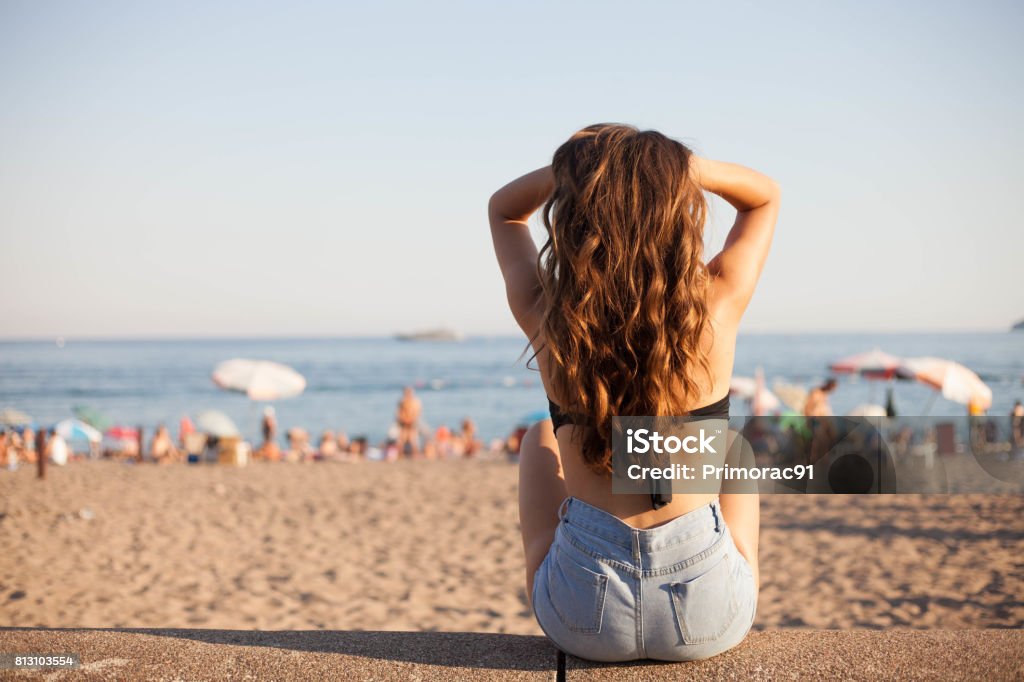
(495, 208)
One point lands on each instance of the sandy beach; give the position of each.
(435, 546)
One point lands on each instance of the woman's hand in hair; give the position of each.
(744, 188)
(519, 199)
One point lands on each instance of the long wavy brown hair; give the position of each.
(624, 280)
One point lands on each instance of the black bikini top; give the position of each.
(716, 410)
(659, 498)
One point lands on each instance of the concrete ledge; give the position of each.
(301, 655)
(292, 655)
(839, 655)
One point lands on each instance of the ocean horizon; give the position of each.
(354, 382)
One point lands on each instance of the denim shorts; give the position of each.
(609, 592)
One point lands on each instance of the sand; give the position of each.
(435, 546)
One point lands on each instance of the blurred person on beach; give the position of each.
(328, 448)
(817, 404)
(121, 443)
(410, 410)
(976, 425)
(299, 449)
(757, 400)
(140, 440)
(818, 412)
(625, 317)
(471, 445)
(57, 449)
(1017, 426)
(195, 447)
(268, 452)
(269, 425)
(515, 439)
(902, 441)
(25, 445)
(185, 430)
(268, 449)
(210, 449)
(14, 447)
(975, 408)
(8, 458)
(358, 448)
(443, 442)
(161, 447)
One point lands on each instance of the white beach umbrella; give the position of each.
(953, 380)
(216, 423)
(747, 388)
(795, 397)
(259, 379)
(12, 417)
(743, 387)
(75, 429)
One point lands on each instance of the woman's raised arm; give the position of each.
(756, 199)
(509, 211)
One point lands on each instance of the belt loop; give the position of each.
(714, 512)
(563, 509)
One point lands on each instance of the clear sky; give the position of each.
(219, 168)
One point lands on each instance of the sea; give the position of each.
(354, 383)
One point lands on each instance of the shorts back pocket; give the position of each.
(576, 593)
(705, 606)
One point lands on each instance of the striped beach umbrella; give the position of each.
(874, 364)
(954, 381)
(92, 417)
(121, 433)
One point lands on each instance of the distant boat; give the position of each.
(431, 335)
(1019, 327)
